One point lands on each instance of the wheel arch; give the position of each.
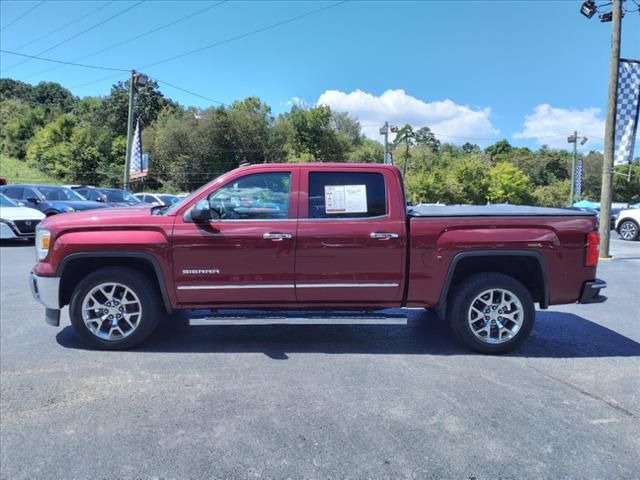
(75, 266)
(465, 264)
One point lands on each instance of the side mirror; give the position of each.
(100, 199)
(202, 212)
(35, 200)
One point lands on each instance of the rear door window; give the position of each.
(347, 195)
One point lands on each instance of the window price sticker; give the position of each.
(345, 198)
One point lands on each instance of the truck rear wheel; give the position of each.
(491, 313)
(115, 308)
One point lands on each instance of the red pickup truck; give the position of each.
(333, 241)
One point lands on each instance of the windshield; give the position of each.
(181, 201)
(60, 193)
(6, 202)
(120, 196)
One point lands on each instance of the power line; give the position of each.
(35, 57)
(86, 30)
(22, 16)
(223, 42)
(189, 92)
(31, 42)
(136, 37)
(244, 35)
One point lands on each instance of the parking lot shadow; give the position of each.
(556, 335)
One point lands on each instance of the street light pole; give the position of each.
(609, 134)
(385, 131)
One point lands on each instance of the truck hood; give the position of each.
(106, 217)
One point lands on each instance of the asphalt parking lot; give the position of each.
(323, 402)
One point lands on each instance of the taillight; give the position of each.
(591, 256)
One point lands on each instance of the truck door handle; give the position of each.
(383, 235)
(276, 236)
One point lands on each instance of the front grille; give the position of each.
(26, 227)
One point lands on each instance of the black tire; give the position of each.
(630, 229)
(141, 285)
(460, 303)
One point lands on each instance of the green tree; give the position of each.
(149, 102)
(626, 183)
(368, 151)
(424, 137)
(53, 96)
(555, 194)
(472, 175)
(15, 90)
(50, 149)
(469, 148)
(503, 147)
(508, 184)
(407, 136)
(314, 133)
(19, 122)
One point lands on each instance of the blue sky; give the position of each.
(530, 72)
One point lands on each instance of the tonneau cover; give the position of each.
(501, 210)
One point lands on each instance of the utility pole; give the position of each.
(384, 130)
(127, 159)
(609, 134)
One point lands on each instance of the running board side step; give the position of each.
(299, 319)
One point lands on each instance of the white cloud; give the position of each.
(295, 101)
(450, 121)
(551, 126)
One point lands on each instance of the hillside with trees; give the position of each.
(47, 133)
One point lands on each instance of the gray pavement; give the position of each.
(323, 402)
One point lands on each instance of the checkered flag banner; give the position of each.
(578, 177)
(627, 109)
(136, 167)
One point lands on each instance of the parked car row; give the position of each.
(55, 199)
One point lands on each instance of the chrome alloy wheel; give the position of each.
(495, 316)
(111, 311)
(628, 230)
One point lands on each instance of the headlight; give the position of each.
(43, 237)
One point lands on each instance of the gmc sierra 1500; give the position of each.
(313, 237)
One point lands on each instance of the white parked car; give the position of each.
(158, 198)
(628, 224)
(16, 221)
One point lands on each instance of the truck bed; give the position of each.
(501, 210)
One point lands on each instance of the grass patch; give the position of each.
(18, 171)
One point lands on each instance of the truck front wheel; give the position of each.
(115, 308)
(491, 313)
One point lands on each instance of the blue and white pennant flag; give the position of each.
(578, 179)
(136, 164)
(627, 110)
